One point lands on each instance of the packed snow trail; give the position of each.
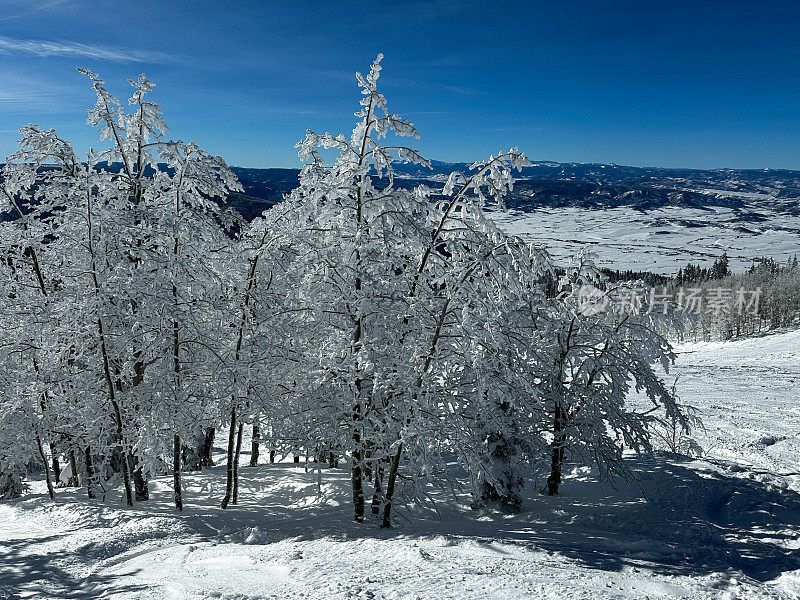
(748, 392)
(600, 549)
(724, 526)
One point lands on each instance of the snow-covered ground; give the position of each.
(724, 526)
(661, 240)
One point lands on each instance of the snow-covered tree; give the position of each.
(129, 235)
(394, 281)
(395, 327)
(603, 351)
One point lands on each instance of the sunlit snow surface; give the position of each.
(660, 240)
(725, 526)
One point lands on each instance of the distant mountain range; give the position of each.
(547, 185)
(582, 185)
(640, 218)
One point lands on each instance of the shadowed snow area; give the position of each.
(722, 526)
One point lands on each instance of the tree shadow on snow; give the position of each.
(681, 518)
(30, 572)
(676, 519)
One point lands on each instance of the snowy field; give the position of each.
(661, 240)
(724, 526)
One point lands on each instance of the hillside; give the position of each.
(586, 185)
(636, 218)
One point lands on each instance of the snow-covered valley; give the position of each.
(726, 525)
(661, 240)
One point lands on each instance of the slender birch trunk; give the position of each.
(356, 477)
(104, 353)
(140, 488)
(357, 413)
(56, 464)
(176, 471)
(235, 497)
(237, 357)
(46, 468)
(319, 479)
(43, 289)
(74, 480)
(386, 520)
(176, 360)
(89, 472)
(231, 442)
(377, 493)
(254, 445)
(556, 451)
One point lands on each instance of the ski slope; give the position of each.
(722, 526)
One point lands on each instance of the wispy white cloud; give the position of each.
(18, 9)
(46, 48)
(293, 111)
(23, 92)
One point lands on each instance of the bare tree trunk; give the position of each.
(141, 488)
(56, 465)
(390, 485)
(377, 493)
(319, 479)
(231, 442)
(358, 487)
(40, 278)
(366, 470)
(176, 471)
(208, 446)
(560, 416)
(235, 498)
(192, 453)
(333, 461)
(556, 451)
(356, 468)
(74, 481)
(272, 456)
(233, 470)
(176, 359)
(126, 477)
(254, 445)
(46, 468)
(89, 472)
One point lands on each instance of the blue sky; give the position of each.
(685, 84)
